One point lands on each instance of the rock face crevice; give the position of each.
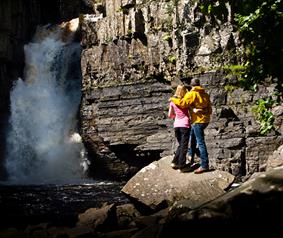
(124, 119)
(135, 53)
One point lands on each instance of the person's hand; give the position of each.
(196, 110)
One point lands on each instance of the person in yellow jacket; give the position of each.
(199, 105)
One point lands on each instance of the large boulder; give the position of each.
(253, 207)
(276, 159)
(158, 184)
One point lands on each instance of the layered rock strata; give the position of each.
(134, 55)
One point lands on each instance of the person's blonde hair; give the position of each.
(181, 90)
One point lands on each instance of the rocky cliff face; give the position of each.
(134, 54)
(135, 51)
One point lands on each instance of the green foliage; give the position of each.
(237, 70)
(260, 24)
(123, 10)
(263, 114)
(215, 9)
(240, 72)
(108, 40)
(172, 59)
(170, 8)
(229, 88)
(129, 32)
(167, 24)
(167, 37)
(261, 29)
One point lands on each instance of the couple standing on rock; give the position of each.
(191, 111)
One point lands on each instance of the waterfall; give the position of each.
(43, 144)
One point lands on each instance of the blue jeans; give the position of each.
(197, 137)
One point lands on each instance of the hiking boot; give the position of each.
(180, 167)
(200, 170)
(186, 169)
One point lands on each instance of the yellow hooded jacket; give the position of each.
(199, 99)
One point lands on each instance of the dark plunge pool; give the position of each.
(59, 204)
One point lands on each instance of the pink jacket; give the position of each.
(182, 118)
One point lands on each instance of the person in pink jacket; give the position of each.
(182, 126)
(199, 102)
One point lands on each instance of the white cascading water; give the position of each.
(43, 143)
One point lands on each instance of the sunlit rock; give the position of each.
(158, 184)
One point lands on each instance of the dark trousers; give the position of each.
(182, 135)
